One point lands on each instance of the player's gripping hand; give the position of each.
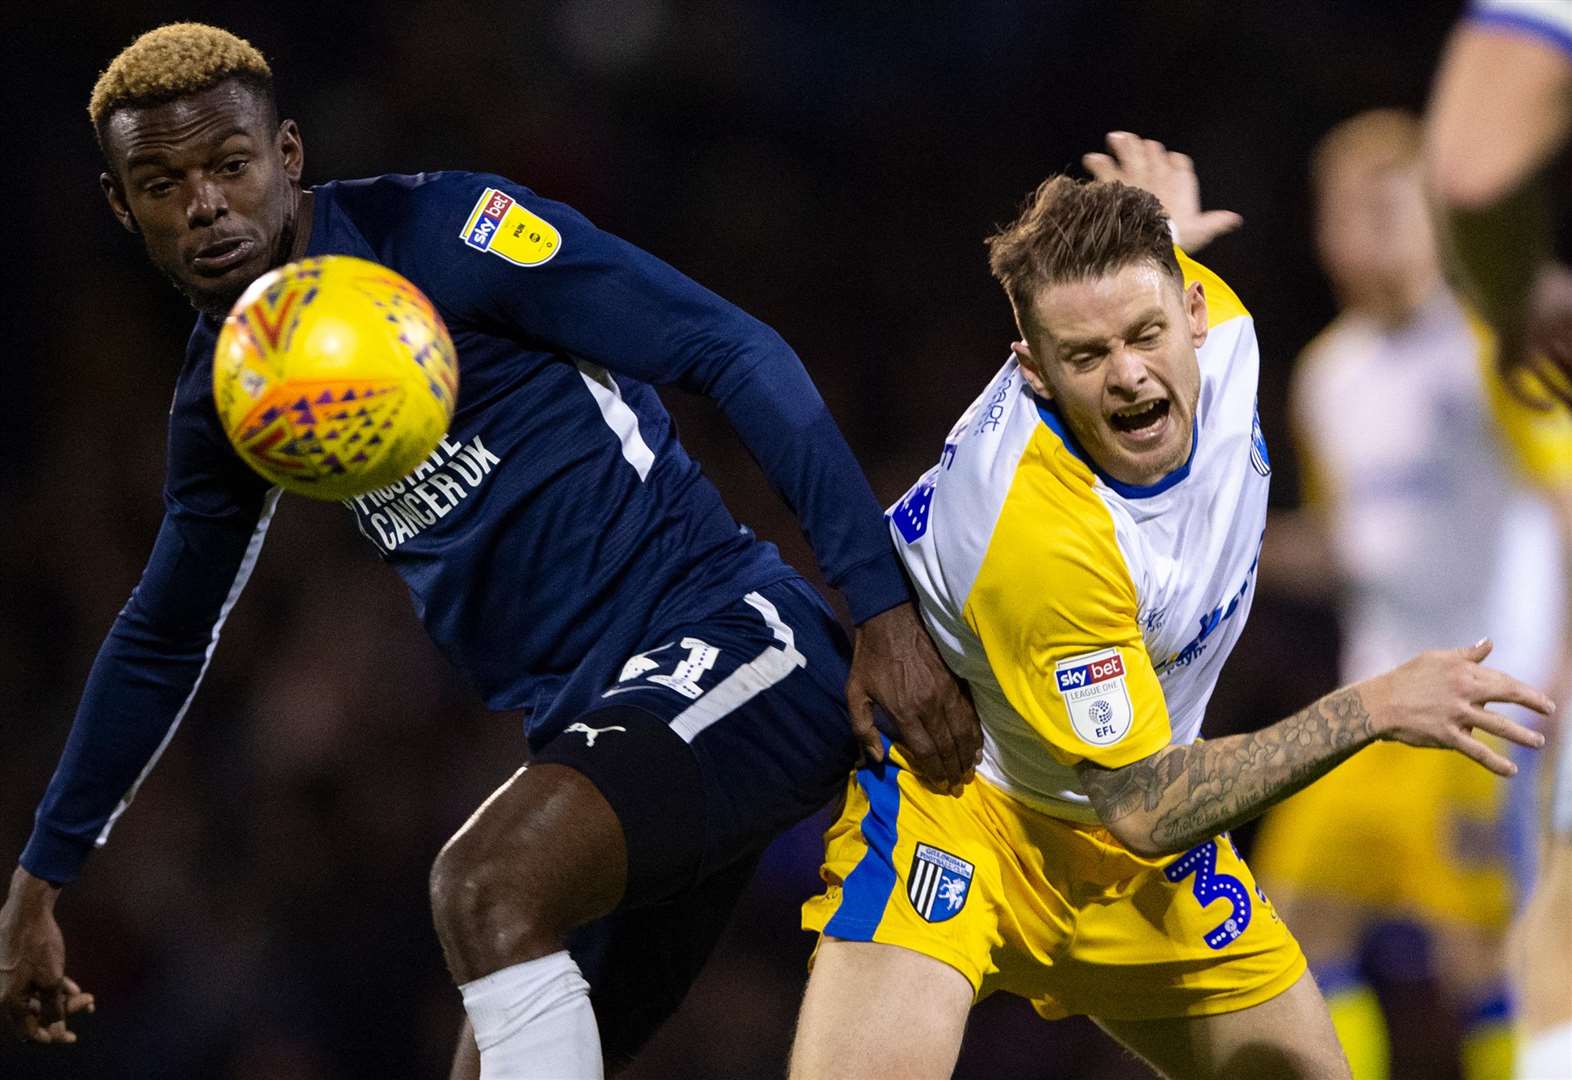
(1438, 699)
(895, 665)
(36, 996)
(1148, 164)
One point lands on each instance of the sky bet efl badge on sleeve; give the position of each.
(500, 224)
(1095, 695)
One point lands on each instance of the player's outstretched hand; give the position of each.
(36, 996)
(895, 665)
(1148, 164)
(1438, 699)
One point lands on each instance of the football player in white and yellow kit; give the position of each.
(1085, 554)
(1430, 529)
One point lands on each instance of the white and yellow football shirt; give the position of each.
(1090, 617)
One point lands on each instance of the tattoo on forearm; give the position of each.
(1118, 793)
(1229, 781)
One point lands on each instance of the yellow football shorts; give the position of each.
(1406, 831)
(1057, 912)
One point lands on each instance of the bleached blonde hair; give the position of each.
(171, 62)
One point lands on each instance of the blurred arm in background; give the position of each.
(1500, 110)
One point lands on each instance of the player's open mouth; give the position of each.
(1142, 421)
(223, 256)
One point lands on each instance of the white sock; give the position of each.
(533, 1021)
(1546, 1056)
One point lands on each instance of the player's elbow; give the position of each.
(1120, 803)
(1137, 832)
(1144, 844)
(1463, 181)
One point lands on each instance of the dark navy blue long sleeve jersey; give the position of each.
(557, 520)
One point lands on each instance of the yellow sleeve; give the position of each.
(1222, 303)
(1055, 609)
(1315, 484)
(1536, 432)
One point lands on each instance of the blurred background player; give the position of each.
(684, 690)
(1500, 113)
(1417, 466)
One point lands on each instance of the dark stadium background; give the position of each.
(832, 168)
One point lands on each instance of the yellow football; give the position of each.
(334, 376)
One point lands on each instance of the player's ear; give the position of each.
(116, 197)
(1030, 371)
(1195, 312)
(291, 149)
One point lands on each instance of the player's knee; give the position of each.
(481, 898)
(523, 871)
(492, 893)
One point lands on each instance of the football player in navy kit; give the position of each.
(687, 692)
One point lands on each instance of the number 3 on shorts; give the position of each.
(1209, 885)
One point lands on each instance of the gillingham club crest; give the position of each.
(938, 883)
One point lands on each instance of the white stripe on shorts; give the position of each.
(748, 681)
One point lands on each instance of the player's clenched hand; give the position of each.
(36, 996)
(895, 664)
(1148, 164)
(1438, 699)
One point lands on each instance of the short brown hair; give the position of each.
(1071, 230)
(172, 62)
(1375, 141)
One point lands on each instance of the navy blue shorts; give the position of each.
(709, 741)
(714, 736)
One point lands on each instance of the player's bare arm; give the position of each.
(1490, 194)
(37, 997)
(1514, 86)
(896, 666)
(1182, 795)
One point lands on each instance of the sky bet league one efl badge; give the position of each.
(500, 225)
(1095, 695)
